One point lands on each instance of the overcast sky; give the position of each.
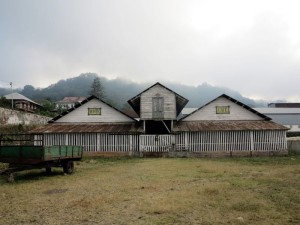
(249, 46)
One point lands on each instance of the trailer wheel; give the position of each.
(48, 170)
(68, 167)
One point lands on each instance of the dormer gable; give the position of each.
(158, 103)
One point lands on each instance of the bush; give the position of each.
(5, 103)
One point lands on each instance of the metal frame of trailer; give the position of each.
(27, 151)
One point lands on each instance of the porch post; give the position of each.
(130, 145)
(251, 143)
(186, 140)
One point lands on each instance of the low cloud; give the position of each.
(46, 41)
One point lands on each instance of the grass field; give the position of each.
(157, 191)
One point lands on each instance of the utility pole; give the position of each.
(12, 99)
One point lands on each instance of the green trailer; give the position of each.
(27, 151)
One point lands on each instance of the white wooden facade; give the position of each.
(150, 103)
(226, 124)
(236, 112)
(95, 125)
(106, 114)
(222, 125)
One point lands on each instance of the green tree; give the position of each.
(5, 103)
(28, 91)
(97, 89)
(47, 108)
(47, 104)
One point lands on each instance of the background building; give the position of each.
(21, 102)
(289, 117)
(68, 102)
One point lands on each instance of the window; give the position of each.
(94, 111)
(222, 109)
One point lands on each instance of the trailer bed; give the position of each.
(38, 154)
(27, 151)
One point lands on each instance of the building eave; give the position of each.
(226, 125)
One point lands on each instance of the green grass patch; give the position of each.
(157, 191)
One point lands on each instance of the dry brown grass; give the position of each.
(158, 191)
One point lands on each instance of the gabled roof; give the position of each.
(234, 101)
(17, 96)
(84, 102)
(136, 100)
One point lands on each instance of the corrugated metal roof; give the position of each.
(138, 128)
(213, 125)
(285, 105)
(278, 110)
(186, 111)
(90, 128)
(17, 96)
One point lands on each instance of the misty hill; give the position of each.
(118, 91)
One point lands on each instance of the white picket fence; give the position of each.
(95, 142)
(156, 143)
(231, 141)
(184, 141)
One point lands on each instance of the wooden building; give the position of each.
(94, 124)
(226, 126)
(222, 127)
(68, 102)
(22, 103)
(158, 108)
